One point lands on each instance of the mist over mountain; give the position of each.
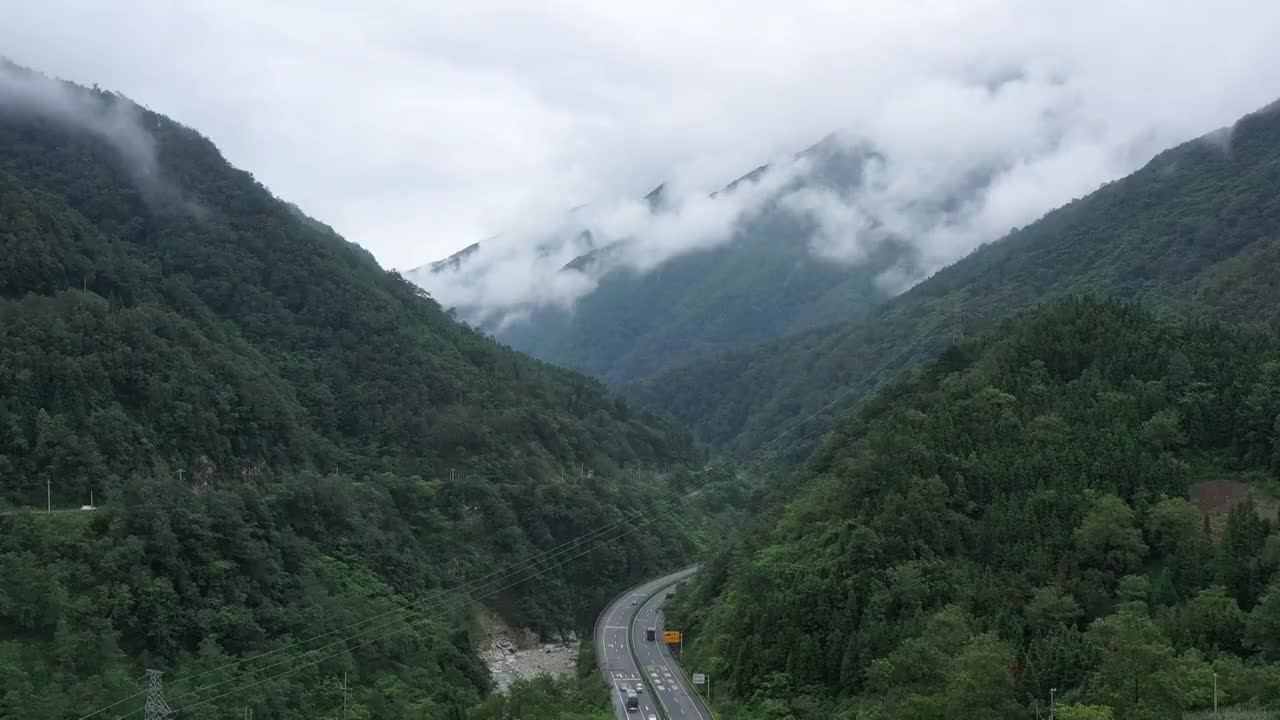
(1195, 229)
(936, 169)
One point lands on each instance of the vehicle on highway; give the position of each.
(651, 633)
(652, 716)
(633, 700)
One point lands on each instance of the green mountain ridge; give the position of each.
(1010, 521)
(1197, 229)
(284, 441)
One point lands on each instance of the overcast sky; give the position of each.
(416, 127)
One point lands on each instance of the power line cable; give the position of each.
(586, 537)
(459, 602)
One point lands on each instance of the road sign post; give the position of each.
(705, 680)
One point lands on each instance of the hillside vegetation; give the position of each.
(283, 440)
(764, 284)
(1013, 518)
(1197, 229)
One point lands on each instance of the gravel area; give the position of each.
(516, 654)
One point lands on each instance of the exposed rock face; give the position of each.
(516, 653)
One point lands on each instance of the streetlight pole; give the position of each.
(1215, 694)
(1052, 693)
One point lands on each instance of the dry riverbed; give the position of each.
(516, 654)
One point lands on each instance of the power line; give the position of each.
(156, 707)
(460, 603)
(407, 610)
(394, 621)
(479, 582)
(547, 555)
(542, 556)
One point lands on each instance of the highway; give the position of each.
(620, 641)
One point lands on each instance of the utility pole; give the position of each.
(1215, 694)
(180, 471)
(1052, 692)
(344, 696)
(155, 708)
(48, 495)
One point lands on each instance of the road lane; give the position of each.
(620, 631)
(669, 683)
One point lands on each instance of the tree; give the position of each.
(1164, 430)
(1262, 629)
(1138, 673)
(1050, 607)
(1175, 530)
(1109, 538)
(1241, 551)
(1212, 621)
(980, 682)
(1077, 711)
(1134, 589)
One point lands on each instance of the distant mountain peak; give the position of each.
(454, 261)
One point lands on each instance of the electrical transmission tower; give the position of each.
(155, 708)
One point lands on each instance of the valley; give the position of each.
(873, 431)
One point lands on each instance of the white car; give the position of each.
(652, 716)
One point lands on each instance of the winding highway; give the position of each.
(628, 661)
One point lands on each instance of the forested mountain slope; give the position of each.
(765, 284)
(767, 280)
(1014, 518)
(1198, 228)
(283, 440)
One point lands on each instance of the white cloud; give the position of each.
(509, 274)
(112, 118)
(415, 128)
(844, 232)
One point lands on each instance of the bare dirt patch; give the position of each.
(1217, 498)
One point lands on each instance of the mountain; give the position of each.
(284, 441)
(1196, 229)
(1077, 502)
(767, 280)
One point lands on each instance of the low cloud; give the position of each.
(113, 118)
(554, 266)
(416, 128)
(941, 167)
(844, 233)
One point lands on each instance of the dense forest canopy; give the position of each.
(1082, 499)
(283, 440)
(1198, 228)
